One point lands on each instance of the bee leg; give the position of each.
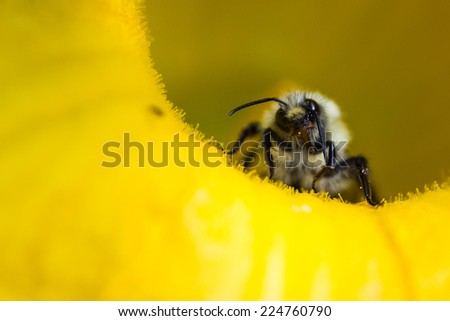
(358, 168)
(251, 129)
(248, 159)
(330, 164)
(267, 144)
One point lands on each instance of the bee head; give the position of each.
(298, 116)
(299, 119)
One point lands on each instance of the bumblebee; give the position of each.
(302, 141)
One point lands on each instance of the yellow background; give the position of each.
(386, 63)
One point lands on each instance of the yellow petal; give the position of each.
(77, 76)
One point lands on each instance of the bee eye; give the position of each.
(281, 119)
(311, 105)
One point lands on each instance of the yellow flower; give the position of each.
(76, 76)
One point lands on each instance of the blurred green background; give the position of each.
(386, 63)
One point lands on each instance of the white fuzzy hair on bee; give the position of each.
(302, 142)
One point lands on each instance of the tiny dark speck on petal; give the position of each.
(156, 110)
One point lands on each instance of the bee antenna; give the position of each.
(256, 102)
(322, 138)
(313, 109)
